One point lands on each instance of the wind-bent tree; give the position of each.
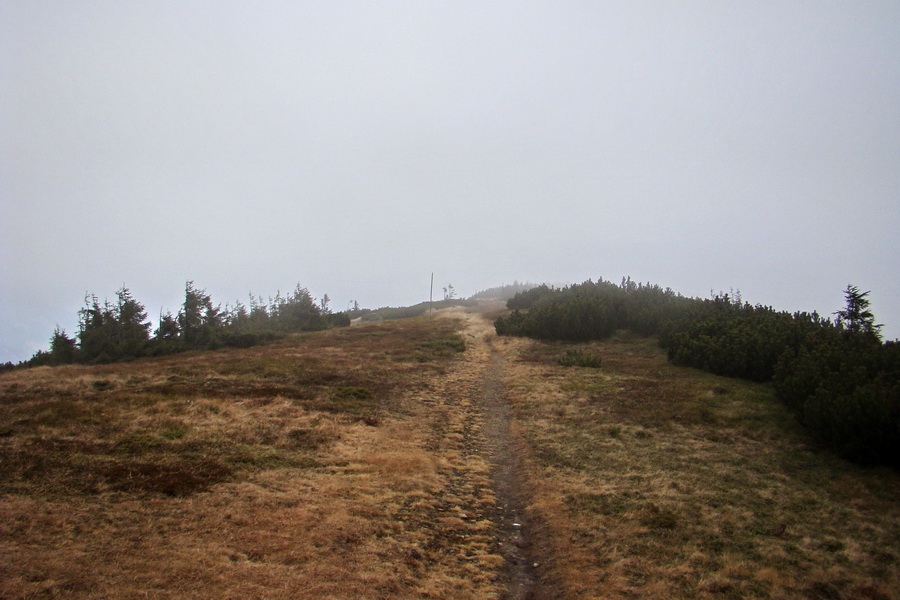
(449, 292)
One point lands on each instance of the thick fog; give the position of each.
(357, 147)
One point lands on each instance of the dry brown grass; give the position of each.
(353, 464)
(318, 467)
(654, 481)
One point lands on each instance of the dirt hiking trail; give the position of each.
(475, 388)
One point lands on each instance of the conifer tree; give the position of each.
(168, 328)
(96, 330)
(856, 317)
(132, 327)
(111, 332)
(62, 347)
(198, 319)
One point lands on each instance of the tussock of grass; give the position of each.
(309, 439)
(577, 357)
(444, 346)
(171, 478)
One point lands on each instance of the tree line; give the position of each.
(836, 374)
(119, 330)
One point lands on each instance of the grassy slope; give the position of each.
(336, 464)
(655, 481)
(301, 469)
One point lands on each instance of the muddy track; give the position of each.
(508, 482)
(481, 402)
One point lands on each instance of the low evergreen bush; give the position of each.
(579, 358)
(837, 376)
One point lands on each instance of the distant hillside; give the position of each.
(504, 292)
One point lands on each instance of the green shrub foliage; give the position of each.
(528, 298)
(837, 376)
(590, 310)
(846, 389)
(503, 292)
(390, 313)
(574, 357)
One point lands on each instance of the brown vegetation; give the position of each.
(315, 467)
(654, 481)
(353, 463)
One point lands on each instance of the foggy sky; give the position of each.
(357, 147)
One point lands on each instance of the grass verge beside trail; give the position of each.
(655, 481)
(300, 469)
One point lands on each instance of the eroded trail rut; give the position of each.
(507, 481)
(474, 398)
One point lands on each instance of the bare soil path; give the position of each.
(508, 481)
(490, 437)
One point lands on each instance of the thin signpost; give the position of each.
(431, 294)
